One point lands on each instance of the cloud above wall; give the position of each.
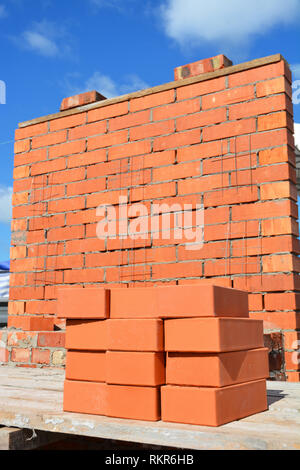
(3, 11)
(45, 38)
(5, 204)
(297, 134)
(190, 22)
(104, 84)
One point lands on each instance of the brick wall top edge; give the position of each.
(157, 89)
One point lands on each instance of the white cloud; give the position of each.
(297, 134)
(40, 43)
(191, 22)
(106, 3)
(45, 38)
(5, 204)
(105, 85)
(3, 11)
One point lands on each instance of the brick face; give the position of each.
(225, 143)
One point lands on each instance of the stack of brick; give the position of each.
(215, 366)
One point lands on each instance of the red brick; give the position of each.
(83, 276)
(135, 368)
(85, 187)
(213, 334)
(31, 131)
(229, 129)
(40, 356)
(204, 118)
(89, 335)
(280, 190)
(48, 166)
(142, 403)
(54, 339)
(178, 301)
(109, 111)
(28, 323)
(217, 370)
(81, 100)
(65, 205)
(86, 366)
(259, 73)
(151, 130)
(78, 303)
(231, 196)
(292, 360)
(20, 355)
(16, 308)
(176, 109)
(85, 397)
(276, 155)
(259, 106)
(21, 172)
(292, 340)
(129, 120)
(22, 146)
(271, 87)
(152, 100)
(262, 210)
(107, 140)
(68, 233)
(152, 191)
(67, 122)
(87, 130)
(285, 301)
(278, 320)
(135, 335)
(234, 95)
(87, 158)
(201, 88)
(67, 149)
(280, 263)
(208, 406)
(274, 121)
(129, 150)
(177, 140)
(49, 139)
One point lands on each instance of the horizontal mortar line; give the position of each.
(168, 86)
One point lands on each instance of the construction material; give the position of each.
(130, 382)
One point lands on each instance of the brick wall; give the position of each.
(223, 139)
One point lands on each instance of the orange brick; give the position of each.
(67, 149)
(86, 335)
(255, 302)
(217, 370)
(40, 356)
(28, 323)
(194, 152)
(135, 335)
(274, 121)
(153, 191)
(31, 131)
(229, 129)
(129, 150)
(292, 340)
(86, 366)
(67, 204)
(231, 196)
(177, 140)
(107, 140)
(271, 87)
(134, 402)
(213, 406)
(259, 106)
(152, 100)
(280, 263)
(135, 368)
(83, 275)
(263, 210)
(16, 308)
(87, 158)
(67, 122)
(152, 130)
(292, 360)
(69, 233)
(213, 334)
(204, 118)
(21, 172)
(278, 320)
(201, 88)
(284, 301)
(87, 130)
(109, 111)
(284, 189)
(176, 109)
(22, 146)
(178, 301)
(259, 74)
(20, 355)
(276, 155)
(48, 166)
(85, 397)
(49, 139)
(235, 95)
(85, 187)
(130, 120)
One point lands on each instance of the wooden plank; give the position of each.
(40, 408)
(25, 439)
(157, 89)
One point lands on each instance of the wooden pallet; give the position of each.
(32, 399)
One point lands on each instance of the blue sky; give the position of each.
(51, 49)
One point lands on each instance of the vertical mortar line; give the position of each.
(120, 235)
(235, 163)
